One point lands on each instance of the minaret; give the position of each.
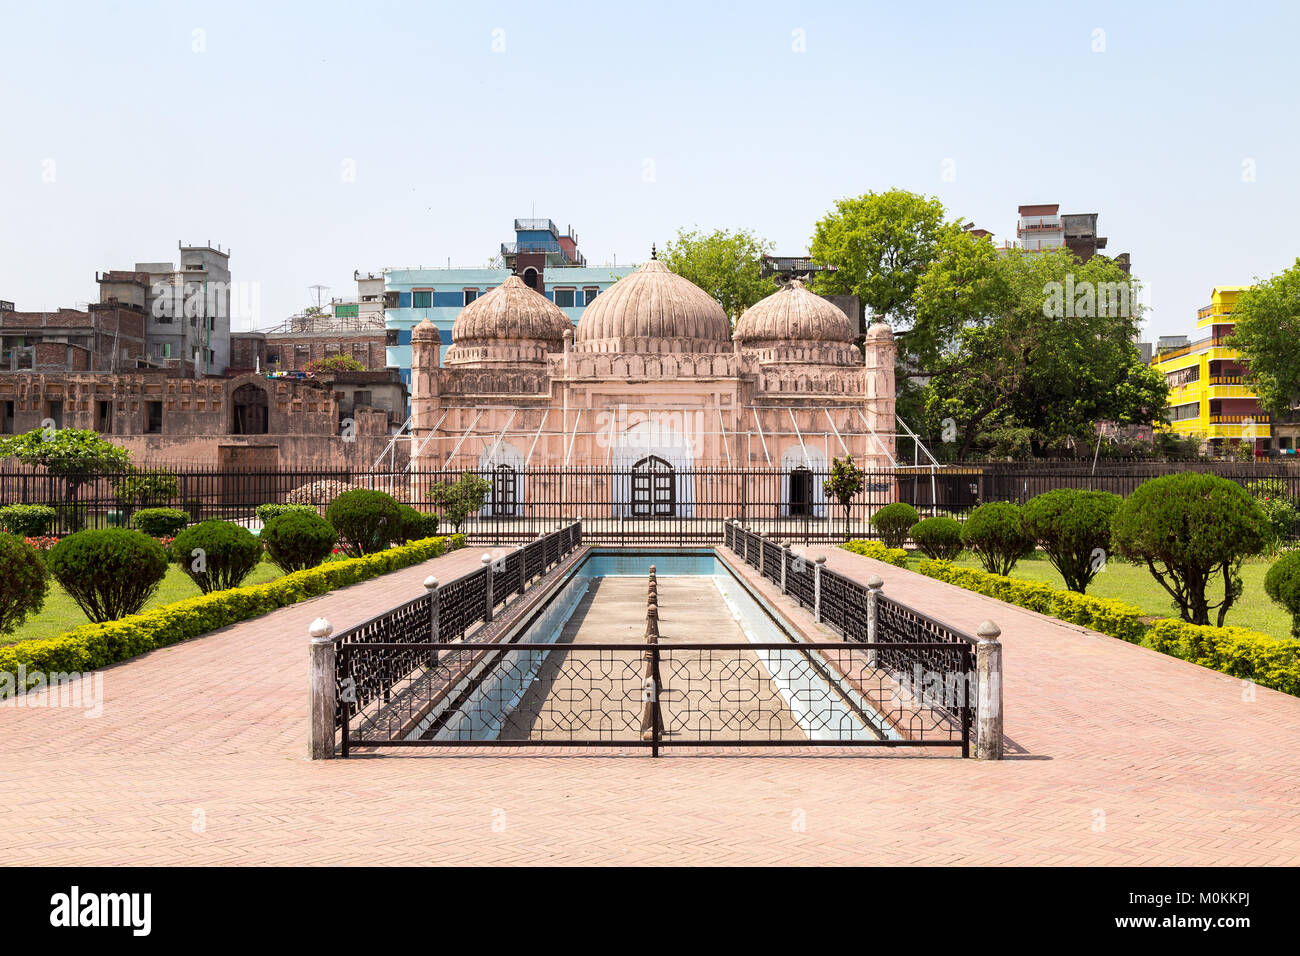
(881, 353)
(426, 361)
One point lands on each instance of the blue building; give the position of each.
(543, 256)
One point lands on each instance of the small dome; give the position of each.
(508, 325)
(425, 330)
(793, 314)
(879, 333)
(654, 310)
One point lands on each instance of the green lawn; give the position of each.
(62, 614)
(1134, 584)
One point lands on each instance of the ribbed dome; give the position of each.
(508, 325)
(654, 310)
(510, 311)
(793, 314)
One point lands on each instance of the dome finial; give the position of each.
(653, 254)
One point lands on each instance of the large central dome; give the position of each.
(654, 310)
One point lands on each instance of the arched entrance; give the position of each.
(530, 278)
(248, 410)
(654, 488)
(505, 483)
(801, 492)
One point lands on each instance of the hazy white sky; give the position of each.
(314, 139)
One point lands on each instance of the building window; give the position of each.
(422, 299)
(589, 295)
(153, 424)
(166, 350)
(470, 295)
(104, 417)
(361, 398)
(564, 298)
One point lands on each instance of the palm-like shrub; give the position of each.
(893, 522)
(1072, 527)
(996, 533)
(298, 540)
(1191, 531)
(366, 521)
(938, 538)
(110, 573)
(24, 582)
(216, 554)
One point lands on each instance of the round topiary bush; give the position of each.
(996, 533)
(1282, 584)
(893, 522)
(24, 582)
(110, 573)
(366, 521)
(216, 554)
(27, 521)
(938, 538)
(1191, 530)
(1072, 527)
(160, 522)
(416, 525)
(266, 512)
(298, 540)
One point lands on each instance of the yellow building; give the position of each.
(1208, 398)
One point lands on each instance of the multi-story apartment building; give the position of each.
(1042, 226)
(1208, 396)
(543, 257)
(189, 308)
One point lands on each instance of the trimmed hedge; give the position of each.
(874, 549)
(367, 521)
(92, 646)
(996, 533)
(938, 538)
(297, 540)
(111, 572)
(1282, 584)
(27, 521)
(160, 522)
(415, 524)
(23, 583)
(1268, 661)
(266, 512)
(229, 553)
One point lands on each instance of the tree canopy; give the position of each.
(1267, 333)
(727, 265)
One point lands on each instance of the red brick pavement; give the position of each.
(1119, 756)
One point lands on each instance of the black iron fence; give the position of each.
(919, 650)
(654, 504)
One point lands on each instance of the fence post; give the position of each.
(487, 568)
(817, 587)
(323, 689)
(523, 569)
(785, 560)
(761, 552)
(874, 584)
(435, 613)
(988, 712)
(744, 548)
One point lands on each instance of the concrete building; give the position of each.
(1041, 226)
(785, 268)
(105, 337)
(189, 308)
(1208, 396)
(545, 259)
(653, 386)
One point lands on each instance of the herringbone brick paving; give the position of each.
(1117, 755)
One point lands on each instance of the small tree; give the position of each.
(74, 455)
(844, 484)
(1073, 529)
(460, 499)
(298, 540)
(216, 555)
(894, 521)
(24, 583)
(110, 573)
(366, 521)
(1189, 529)
(938, 538)
(146, 488)
(996, 533)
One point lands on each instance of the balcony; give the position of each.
(1039, 224)
(541, 247)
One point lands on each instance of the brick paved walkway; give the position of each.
(1118, 756)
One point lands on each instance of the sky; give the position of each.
(317, 139)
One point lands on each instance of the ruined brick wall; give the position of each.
(293, 351)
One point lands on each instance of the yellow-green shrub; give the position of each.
(1268, 661)
(874, 549)
(92, 646)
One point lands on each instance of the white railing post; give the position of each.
(817, 587)
(323, 689)
(988, 711)
(435, 613)
(874, 584)
(487, 568)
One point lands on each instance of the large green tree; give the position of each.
(879, 244)
(1267, 333)
(727, 265)
(74, 454)
(1035, 345)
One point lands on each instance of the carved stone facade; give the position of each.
(655, 380)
